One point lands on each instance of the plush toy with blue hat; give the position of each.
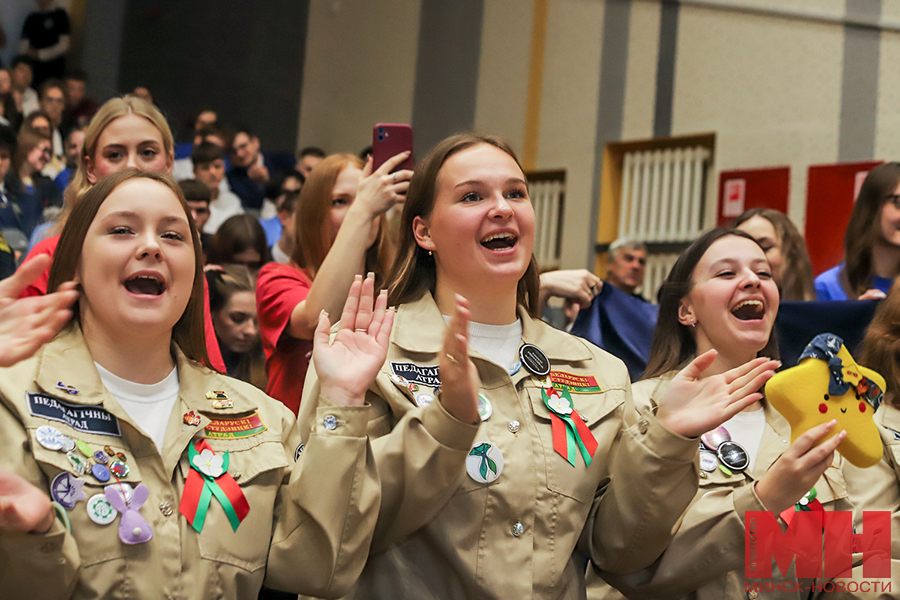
(828, 384)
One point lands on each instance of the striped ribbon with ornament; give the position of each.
(570, 434)
(209, 478)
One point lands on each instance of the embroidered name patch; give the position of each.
(89, 419)
(230, 429)
(414, 373)
(576, 384)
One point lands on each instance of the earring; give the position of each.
(429, 253)
(693, 322)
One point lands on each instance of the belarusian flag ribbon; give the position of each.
(209, 477)
(569, 430)
(807, 503)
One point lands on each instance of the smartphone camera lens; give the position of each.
(380, 138)
(381, 130)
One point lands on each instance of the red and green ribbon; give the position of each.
(200, 488)
(569, 431)
(811, 505)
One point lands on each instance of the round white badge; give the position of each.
(708, 461)
(424, 399)
(100, 511)
(49, 437)
(484, 462)
(485, 410)
(125, 491)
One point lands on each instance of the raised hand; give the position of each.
(348, 364)
(381, 190)
(459, 377)
(23, 507)
(799, 468)
(578, 285)
(691, 406)
(28, 323)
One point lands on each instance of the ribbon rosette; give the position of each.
(208, 478)
(807, 503)
(569, 431)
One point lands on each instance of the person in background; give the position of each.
(290, 181)
(214, 133)
(53, 101)
(872, 242)
(232, 303)
(80, 108)
(26, 97)
(308, 158)
(239, 240)
(199, 118)
(28, 190)
(197, 195)
(143, 93)
(720, 296)
(251, 168)
(338, 234)
(74, 146)
(625, 268)
(209, 167)
(45, 40)
(7, 150)
(284, 247)
(785, 250)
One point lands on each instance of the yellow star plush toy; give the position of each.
(826, 385)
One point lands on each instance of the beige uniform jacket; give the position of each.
(312, 525)
(878, 488)
(456, 538)
(705, 560)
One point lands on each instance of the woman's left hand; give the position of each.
(23, 507)
(347, 365)
(691, 406)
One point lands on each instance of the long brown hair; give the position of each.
(237, 234)
(864, 227)
(881, 345)
(414, 270)
(111, 110)
(312, 237)
(674, 344)
(27, 140)
(796, 274)
(189, 331)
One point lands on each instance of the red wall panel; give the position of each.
(830, 193)
(752, 188)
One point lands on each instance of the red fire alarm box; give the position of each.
(752, 188)
(830, 193)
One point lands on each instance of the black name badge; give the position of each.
(413, 373)
(534, 359)
(89, 419)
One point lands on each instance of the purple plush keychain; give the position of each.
(133, 528)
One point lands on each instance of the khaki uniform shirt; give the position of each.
(705, 560)
(514, 537)
(878, 488)
(308, 530)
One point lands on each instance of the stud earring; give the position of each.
(429, 253)
(693, 322)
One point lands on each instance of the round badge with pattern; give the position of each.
(733, 456)
(484, 462)
(119, 469)
(49, 437)
(67, 490)
(424, 399)
(708, 461)
(100, 511)
(534, 359)
(101, 457)
(125, 491)
(485, 410)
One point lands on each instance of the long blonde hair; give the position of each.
(109, 112)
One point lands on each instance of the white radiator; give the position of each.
(661, 201)
(547, 199)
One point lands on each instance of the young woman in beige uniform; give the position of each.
(210, 502)
(720, 295)
(878, 488)
(523, 508)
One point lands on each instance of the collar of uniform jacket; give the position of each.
(54, 366)
(419, 327)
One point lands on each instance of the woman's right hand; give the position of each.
(798, 469)
(347, 365)
(23, 507)
(381, 190)
(459, 377)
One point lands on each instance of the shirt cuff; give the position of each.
(447, 429)
(346, 421)
(651, 433)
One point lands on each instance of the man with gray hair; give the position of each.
(625, 268)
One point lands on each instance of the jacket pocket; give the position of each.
(258, 466)
(601, 412)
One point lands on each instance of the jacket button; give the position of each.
(514, 426)
(583, 417)
(165, 508)
(518, 529)
(237, 475)
(703, 475)
(330, 422)
(643, 425)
